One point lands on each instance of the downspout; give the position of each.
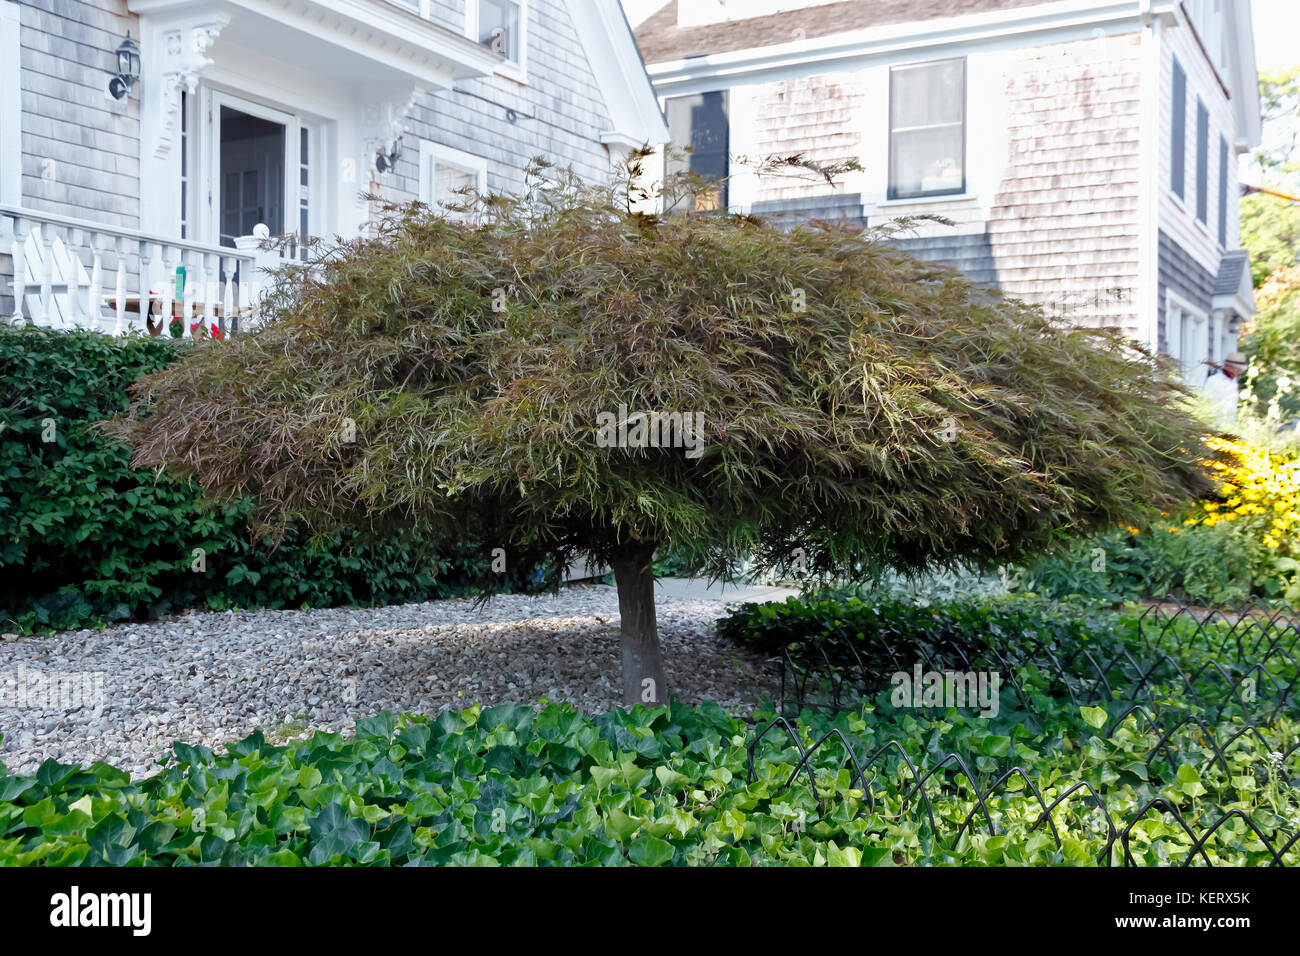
(1149, 139)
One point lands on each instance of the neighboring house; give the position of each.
(1086, 150)
(276, 114)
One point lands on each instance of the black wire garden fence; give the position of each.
(1211, 686)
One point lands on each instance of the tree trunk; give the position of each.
(643, 668)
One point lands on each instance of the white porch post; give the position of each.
(252, 287)
(173, 56)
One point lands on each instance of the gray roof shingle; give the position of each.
(1228, 281)
(662, 40)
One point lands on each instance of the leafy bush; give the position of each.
(1207, 564)
(1239, 544)
(859, 639)
(843, 400)
(670, 786)
(84, 538)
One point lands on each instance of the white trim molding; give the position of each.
(11, 124)
(1185, 309)
(1149, 186)
(634, 114)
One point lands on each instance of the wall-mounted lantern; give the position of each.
(386, 161)
(128, 69)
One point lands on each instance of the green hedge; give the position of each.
(85, 539)
(869, 634)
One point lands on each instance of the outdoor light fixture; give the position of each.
(386, 161)
(128, 69)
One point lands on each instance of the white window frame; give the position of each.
(11, 134)
(517, 71)
(930, 195)
(434, 154)
(1178, 311)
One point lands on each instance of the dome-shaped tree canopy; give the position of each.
(568, 376)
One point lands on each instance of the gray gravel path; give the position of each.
(212, 677)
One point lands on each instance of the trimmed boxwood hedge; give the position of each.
(86, 539)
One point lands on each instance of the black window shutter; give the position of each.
(1178, 134)
(1202, 162)
(1223, 191)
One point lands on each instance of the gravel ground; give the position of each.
(212, 677)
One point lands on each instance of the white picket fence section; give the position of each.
(70, 273)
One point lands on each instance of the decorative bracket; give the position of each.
(385, 124)
(184, 58)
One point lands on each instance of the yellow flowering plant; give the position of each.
(1259, 494)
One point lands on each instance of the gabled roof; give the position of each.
(662, 40)
(1234, 288)
(1228, 281)
(634, 114)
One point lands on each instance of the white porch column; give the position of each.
(173, 55)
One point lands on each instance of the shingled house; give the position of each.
(1084, 150)
(145, 144)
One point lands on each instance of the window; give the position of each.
(927, 129)
(700, 121)
(498, 25)
(1178, 134)
(443, 171)
(1202, 162)
(1223, 192)
(1187, 338)
(304, 190)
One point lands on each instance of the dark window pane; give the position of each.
(701, 122)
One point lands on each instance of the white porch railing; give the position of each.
(71, 273)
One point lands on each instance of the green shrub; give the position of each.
(1216, 565)
(884, 629)
(84, 538)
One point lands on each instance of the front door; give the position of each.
(252, 170)
(252, 158)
